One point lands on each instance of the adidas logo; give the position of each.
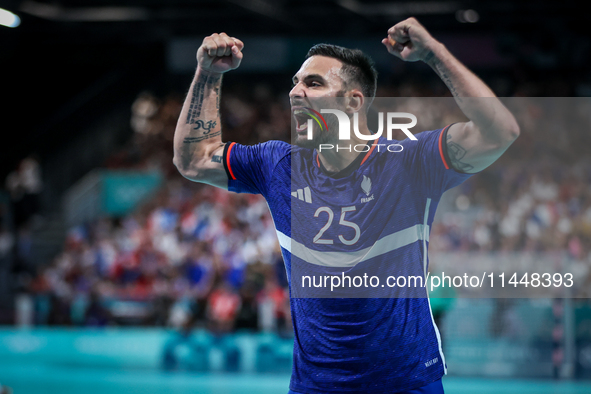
(303, 194)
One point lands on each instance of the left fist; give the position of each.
(409, 40)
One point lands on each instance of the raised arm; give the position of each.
(198, 146)
(472, 146)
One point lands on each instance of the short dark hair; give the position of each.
(357, 66)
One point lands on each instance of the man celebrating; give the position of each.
(349, 345)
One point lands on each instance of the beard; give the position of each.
(320, 135)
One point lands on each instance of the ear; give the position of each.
(354, 101)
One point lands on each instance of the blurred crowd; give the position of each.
(192, 256)
(537, 198)
(197, 256)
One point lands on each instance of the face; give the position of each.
(319, 78)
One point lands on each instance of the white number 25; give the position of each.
(318, 238)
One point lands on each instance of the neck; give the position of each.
(335, 160)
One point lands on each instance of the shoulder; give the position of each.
(422, 137)
(250, 168)
(270, 150)
(276, 149)
(424, 142)
(279, 146)
(409, 150)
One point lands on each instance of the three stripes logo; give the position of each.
(303, 194)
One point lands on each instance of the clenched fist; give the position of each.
(220, 53)
(409, 40)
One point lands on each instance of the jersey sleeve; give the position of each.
(250, 167)
(428, 161)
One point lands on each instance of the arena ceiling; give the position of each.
(137, 20)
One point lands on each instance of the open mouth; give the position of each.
(301, 117)
(304, 116)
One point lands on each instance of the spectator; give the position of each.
(222, 309)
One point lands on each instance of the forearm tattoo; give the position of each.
(217, 100)
(203, 83)
(429, 57)
(206, 126)
(205, 136)
(456, 153)
(440, 70)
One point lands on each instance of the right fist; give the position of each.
(220, 53)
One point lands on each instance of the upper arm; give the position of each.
(428, 163)
(235, 167)
(207, 168)
(471, 150)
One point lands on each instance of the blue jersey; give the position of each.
(374, 216)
